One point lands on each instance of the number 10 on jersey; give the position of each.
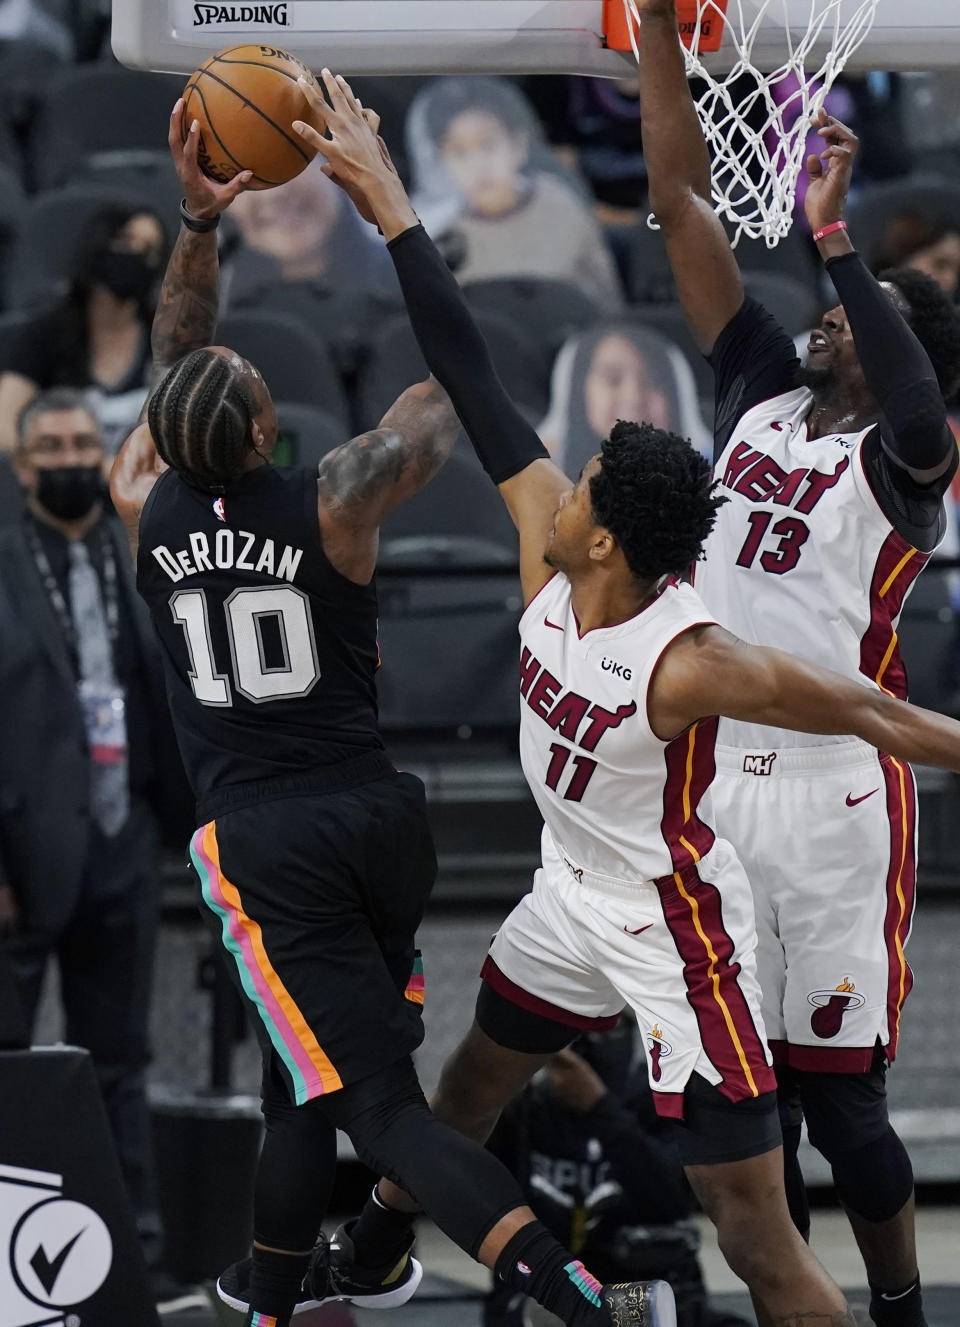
(247, 611)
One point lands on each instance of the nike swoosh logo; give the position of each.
(639, 929)
(548, 623)
(48, 1270)
(852, 801)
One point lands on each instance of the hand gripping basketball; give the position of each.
(204, 197)
(830, 173)
(357, 158)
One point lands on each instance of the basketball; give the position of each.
(246, 98)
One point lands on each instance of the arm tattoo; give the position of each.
(186, 315)
(414, 439)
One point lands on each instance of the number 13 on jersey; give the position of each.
(248, 611)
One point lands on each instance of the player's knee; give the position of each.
(876, 1181)
(844, 1112)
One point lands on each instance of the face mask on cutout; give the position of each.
(125, 275)
(69, 491)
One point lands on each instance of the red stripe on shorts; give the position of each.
(502, 984)
(901, 889)
(691, 768)
(692, 910)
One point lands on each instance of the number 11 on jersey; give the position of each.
(583, 768)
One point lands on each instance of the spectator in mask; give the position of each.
(98, 337)
(81, 711)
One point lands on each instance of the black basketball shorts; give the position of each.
(315, 900)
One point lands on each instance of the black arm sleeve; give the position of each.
(458, 357)
(913, 423)
(752, 359)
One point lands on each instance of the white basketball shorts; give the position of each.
(827, 837)
(679, 951)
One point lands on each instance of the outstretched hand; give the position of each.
(357, 158)
(830, 173)
(203, 196)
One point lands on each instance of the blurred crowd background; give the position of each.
(535, 189)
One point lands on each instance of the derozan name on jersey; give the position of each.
(227, 551)
(273, 16)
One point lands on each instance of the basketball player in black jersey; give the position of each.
(313, 855)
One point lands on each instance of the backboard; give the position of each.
(484, 36)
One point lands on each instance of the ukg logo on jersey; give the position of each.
(58, 1252)
(268, 16)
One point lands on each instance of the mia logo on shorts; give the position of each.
(759, 764)
(829, 1008)
(59, 1252)
(659, 1050)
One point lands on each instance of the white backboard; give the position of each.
(480, 36)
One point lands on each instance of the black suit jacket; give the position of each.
(45, 823)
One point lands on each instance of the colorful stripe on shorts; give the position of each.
(586, 1283)
(310, 1070)
(262, 1320)
(416, 989)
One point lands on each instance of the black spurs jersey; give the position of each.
(270, 654)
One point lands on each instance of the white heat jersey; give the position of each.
(803, 558)
(614, 797)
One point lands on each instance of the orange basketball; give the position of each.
(246, 99)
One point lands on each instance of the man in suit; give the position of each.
(80, 712)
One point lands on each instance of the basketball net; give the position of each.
(758, 145)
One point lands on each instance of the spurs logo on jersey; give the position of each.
(802, 556)
(616, 799)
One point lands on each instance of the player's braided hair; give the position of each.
(654, 494)
(200, 418)
(935, 321)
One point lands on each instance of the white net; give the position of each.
(756, 124)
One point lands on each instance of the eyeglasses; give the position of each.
(84, 444)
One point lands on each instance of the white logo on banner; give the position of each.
(59, 1252)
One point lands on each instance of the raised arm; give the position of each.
(914, 431)
(678, 169)
(186, 315)
(361, 481)
(452, 344)
(708, 671)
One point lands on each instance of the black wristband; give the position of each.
(199, 225)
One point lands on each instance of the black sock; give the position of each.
(275, 1286)
(897, 1308)
(381, 1234)
(534, 1263)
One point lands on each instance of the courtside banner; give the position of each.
(69, 1255)
(617, 29)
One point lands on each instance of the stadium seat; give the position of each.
(671, 321)
(394, 362)
(647, 275)
(928, 195)
(306, 433)
(12, 204)
(146, 171)
(546, 312)
(929, 641)
(459, 518)
(449, 648)
(122, 109)
(795, 306)
(49, 230)
(794, 257)
(296, 364)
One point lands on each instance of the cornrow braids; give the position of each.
(200, 418)
(653, 492)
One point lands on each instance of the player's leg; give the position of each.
(843, 998)
(690, 975)
(848, 1122)
(483, 1211)
(791, 1124)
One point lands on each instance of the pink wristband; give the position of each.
(819, 235)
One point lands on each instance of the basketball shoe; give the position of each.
(640, 1304)
(332, 1277)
